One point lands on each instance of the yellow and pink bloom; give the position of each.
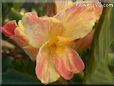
(54, 41)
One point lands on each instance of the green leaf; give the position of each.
(6, 62)
(15, 77)
(97, 71)
(15, 15)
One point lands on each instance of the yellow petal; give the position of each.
(20, 35)
(45, 69)
(36, 29)
(68, 62)
(55, 27)
(22, 40)
(79, 20)
(21, 25)
(55, 60)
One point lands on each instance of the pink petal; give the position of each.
(9, 27)
(85, 42)
(62, 69)
(78, 20)
(22, 40)
(68, 62)
(41, 71)
(40, 29)
(0, 28)
(45, 69)
(20, 36)
(36, 28)
(77, 64)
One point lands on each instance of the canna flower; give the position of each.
(57, 39)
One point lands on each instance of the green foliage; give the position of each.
(12, 76)
(98, 71)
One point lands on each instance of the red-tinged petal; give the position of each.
(17, 34)
(77, 64)
(68, 62)
(62, 68)
(22, 40)
(45, 69)
(36, 28)
(9, 28)
(29, 50)
(84, 43)
(1, 29)
(20, 35)
(79, 20)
